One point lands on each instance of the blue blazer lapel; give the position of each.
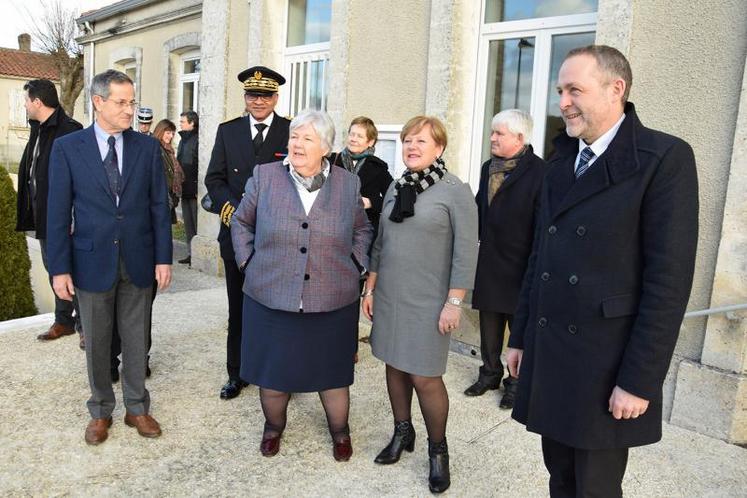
(130, 157)
(91, 156)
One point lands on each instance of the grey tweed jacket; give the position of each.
(290, 256)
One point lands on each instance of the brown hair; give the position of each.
(371, 132)
(610, 61)
(414, 125)
(162, 127)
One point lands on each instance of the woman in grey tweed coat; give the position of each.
(422, 264)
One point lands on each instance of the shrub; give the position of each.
(16, 297)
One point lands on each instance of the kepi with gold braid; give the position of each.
(260, 79)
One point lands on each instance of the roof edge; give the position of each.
(112, 10)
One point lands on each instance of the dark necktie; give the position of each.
(111, 167)
(258, 139)
(583, 163)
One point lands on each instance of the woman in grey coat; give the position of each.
(422, 264)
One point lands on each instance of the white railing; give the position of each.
(307, 70)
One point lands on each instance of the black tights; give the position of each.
(432, 397)
(336, 403)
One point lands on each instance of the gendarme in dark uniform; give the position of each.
(240, 144)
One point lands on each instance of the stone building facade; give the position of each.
(464, 60)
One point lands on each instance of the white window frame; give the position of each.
(188, 78)
(541, 30)
(298, 79)
(132, 64)
(391, 133)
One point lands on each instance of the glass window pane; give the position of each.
(561, 45)
(191, 66)
(308, 21)
(188, 95)
(512, 10)
(509, 85)
(316, 85)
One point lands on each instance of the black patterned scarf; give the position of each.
(410, 185)
(354, 162)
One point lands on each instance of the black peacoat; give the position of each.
(375, 179)
(506, 232)
(606, 287)
(232, 163)
(187, 155)
(34, 217)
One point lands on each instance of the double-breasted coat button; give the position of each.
(304, 225)
(580, 230)
(306, 277)
(572, 329)
(573, 280)
(552, 229)
(545, 276)
(303, 250)
(235, 170)
(542, 322)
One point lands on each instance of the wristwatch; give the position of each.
(455, 301)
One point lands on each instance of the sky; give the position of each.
(16, 19)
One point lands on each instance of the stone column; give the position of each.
(711, 396)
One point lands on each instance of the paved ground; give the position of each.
(210, 446)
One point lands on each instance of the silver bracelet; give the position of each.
(367, 292)
(454, 301)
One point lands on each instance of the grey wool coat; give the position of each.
(417, 262)
(289, 255)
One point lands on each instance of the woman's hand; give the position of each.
(367, 307)
(449, 319)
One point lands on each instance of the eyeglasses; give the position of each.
(255, 97)
(123, 103)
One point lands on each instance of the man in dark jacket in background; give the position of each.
(48, 122)
(187, 156)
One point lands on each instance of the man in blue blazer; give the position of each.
(111, 180)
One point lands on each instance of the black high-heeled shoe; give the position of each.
(403, 439)
(439, 478)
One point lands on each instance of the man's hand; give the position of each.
(367, 307)
(163, 276)
(513, 360)
(622, 404)
(63, 286)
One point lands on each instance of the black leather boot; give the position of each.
(403, 439)
(510, 385)
(439, 478)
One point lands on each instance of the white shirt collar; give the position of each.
(267, 121)
(600, 144)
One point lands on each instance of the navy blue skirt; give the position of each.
(298, 352)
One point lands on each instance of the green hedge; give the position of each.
(16, 296)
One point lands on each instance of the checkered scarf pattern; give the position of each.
(423, 179)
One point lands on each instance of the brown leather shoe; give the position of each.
(56, 331)
(97, 430)
(145, 424)
(82, 343)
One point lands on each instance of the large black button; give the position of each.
(572, 329)
(306, 277)
(542, 322)
(545, 276)
(552, 229)
(581, 230)
(573, 280)
(304, 225)
(303, 250)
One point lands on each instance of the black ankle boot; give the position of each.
(403, 439)
(439, 478)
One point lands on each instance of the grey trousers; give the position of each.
(97, 310)
(189, 215)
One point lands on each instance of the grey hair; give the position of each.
(100, 84)
(320, 121)
(516, 121)
(611, 61)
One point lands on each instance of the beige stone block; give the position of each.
(711, 402)
(206, 256)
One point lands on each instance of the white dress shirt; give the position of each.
(267, 121)
(600, 144)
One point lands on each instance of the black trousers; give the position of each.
(63, 310)
(116, 347)
(492, 332)
(234, 284)
(584, 473)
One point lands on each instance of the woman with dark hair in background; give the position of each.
(164, 133)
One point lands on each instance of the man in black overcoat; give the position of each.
(506, 202)
(240, 144)
(48, 121)
(607, 282)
